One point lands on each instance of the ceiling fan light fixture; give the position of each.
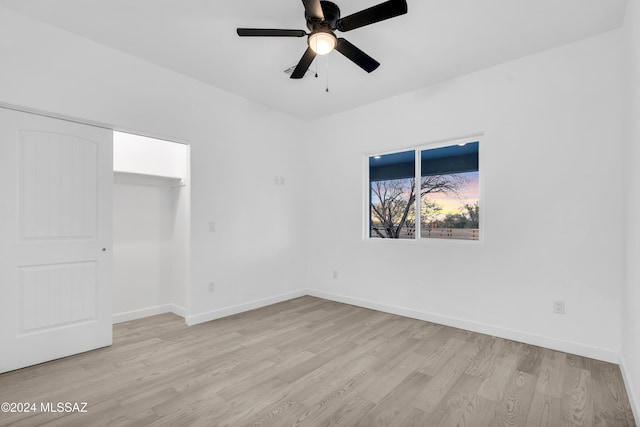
(323, 18)
(322, 42)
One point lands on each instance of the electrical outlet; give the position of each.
(279, 180)
(212, 286)
(335, 274)
(212, 226)
(558, 307)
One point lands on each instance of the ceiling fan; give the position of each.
(323, 19)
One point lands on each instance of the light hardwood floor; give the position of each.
(312, 362)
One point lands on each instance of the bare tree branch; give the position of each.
(394, 200)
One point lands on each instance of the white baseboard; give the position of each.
(240, 308)
(176, 309)
(148, 311)
(629, 385)
(538, 340)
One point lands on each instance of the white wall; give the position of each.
(630, 358)
(550, 170)
(143, 219)
(150, 156)
(237, 147)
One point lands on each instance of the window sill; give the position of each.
(427, 242)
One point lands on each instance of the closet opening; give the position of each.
(151, 213)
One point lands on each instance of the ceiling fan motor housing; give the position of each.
(331, 13)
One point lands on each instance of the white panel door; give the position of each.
(55, 238)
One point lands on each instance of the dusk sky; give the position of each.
(452, 204)
(470, 193)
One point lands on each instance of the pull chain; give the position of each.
(316, 61)
(327, 90)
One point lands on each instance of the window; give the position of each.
(447, 181)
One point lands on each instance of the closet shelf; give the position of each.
(174, 181)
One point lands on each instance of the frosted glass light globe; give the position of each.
(322, 43)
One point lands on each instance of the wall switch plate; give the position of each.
(212, 286)
(279, 180)
(335, 274)
(558, 307)
(212, 227)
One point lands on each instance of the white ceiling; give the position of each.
(437, 40)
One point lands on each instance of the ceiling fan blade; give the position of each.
(360, 58)
(313, 9)
(380, 12)
(269, 32)
(304, 64)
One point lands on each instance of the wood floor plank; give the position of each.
(307, 391)
(287, 412)
(298, 370)
(457, 404)
(545, 411)
(331, 402)
(348, 414)
(503, 368)
(441, 355)
(483, 362)
(609, 404)
(513, 408)
(530, 359)
(480, 413)
(551, 376)
(438, 339)
(390, 375)
(396, 401)
(438, 387)
(578, 398)
(312, 362)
